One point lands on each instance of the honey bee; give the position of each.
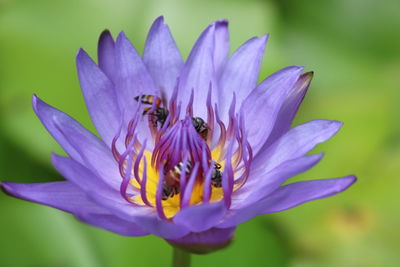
(216, 178)
(201, 126)
(149, 99)
(171, 182)
(159, 114)
(169, 191)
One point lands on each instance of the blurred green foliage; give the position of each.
(353, 47)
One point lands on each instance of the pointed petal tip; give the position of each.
(264, 37)
(332, 126)
(157, 25)
(352, 179)
(105, 36)
(121, 36)
(306, 78)
(105, 33)
(159, 20)
(344, 184)
(318, 156)
(36, 102)
(7, 188)
(82, 57)
(216, 24)
(222, 22)
(81, 52)
(260, 41)
(309, 74)
(3, 187)
(338, 124)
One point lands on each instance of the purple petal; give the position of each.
(68, 197)
(85, 179)
(212, 236)
(205, 242)
(63, 195)
(202, 217)
(199, 73)
(295, 143)
(110, 199)
(162, 57)
(80, 144)
(289, 196)
(294, 194)
(100, 97)
(221, 46)
(289, 108)
(106, 55)
(46, 113)
(133, 80)
(154, 225)
(260, 186)
(113, 224)
(261, 107)
(240, 74)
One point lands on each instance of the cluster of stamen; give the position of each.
(188, 163)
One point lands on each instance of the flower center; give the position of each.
(191, 162)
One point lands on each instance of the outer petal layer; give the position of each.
(162, 57)
(96, 156)
(295, 143)
(111, 200)
(86, 180)
(64, 196)
(133, 80)
(289, 108)
(79, 143)
(241, 72)
(113, 224)
(200, 217)
(221, 46)
(261, 107)
(199, 73)
(205, 242)
(289, 196)
(106, 55)
(294, 194)
(100, 97)
(259, 187)
(46, 114)
(68, 197)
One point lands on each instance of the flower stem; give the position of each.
(181, 258)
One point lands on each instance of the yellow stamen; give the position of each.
(171, 205)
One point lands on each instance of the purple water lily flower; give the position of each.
(188, 150)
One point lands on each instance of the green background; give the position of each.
(352, 45)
